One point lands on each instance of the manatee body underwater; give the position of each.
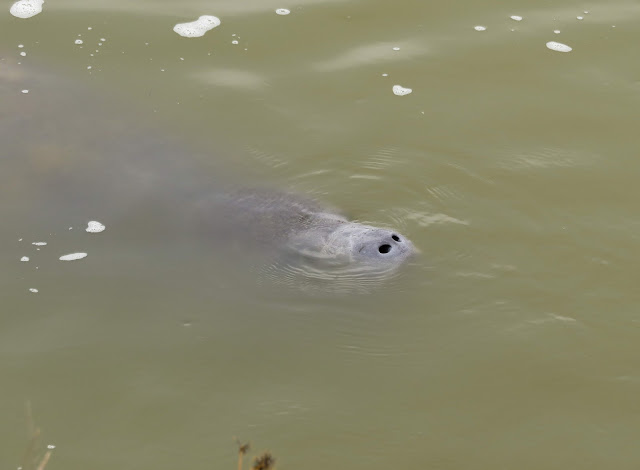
(70, 152)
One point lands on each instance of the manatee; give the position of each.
(305, 229)
(79, 155)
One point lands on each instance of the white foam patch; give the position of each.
(35, 291)
(558, 47)
(480, 28)
(25, 91)
(557, 31)
(400, 90)
(73, 256)
(78, 41)
(197, 28)
(516, 18)
(24, 259)
(282, 11)
(39, 243)
(95, 227)
(26, 8)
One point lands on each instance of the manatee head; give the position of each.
(334, 241)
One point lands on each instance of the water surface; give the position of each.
(512, 341)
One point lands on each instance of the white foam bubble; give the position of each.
(580, 17)
(95, 227)
(39, 243)
(25, 91)
(400, 90)
(51, 446)
(78, 41)
(73, 256)
(35, 291)
(516, 18)
(234, 42)
(23, 53)
(480, 28)
(20, 46)
(26, 8)
(385, 74)
(396, 48)
(557, 31)
(197, 28)
(24, 259)
(282, 11)
(558, 47)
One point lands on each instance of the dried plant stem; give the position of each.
(242, 449)
(30, 460)
(28, 457)
(45, 460)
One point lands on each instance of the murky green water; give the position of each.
(511, 342)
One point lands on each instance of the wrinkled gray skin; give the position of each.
(67, 153)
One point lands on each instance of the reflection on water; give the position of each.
(509, 342)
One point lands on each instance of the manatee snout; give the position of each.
(377, 245)
(393, 245)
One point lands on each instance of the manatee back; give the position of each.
(264, 216)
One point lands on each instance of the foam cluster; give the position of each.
(26, 8)
(197, 28)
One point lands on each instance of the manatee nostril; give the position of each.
(395, 237)
(384, 248)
